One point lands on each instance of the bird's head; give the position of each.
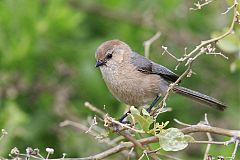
(111, 53)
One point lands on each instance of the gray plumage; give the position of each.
(202, 98)
(136, 80)
(146, 66)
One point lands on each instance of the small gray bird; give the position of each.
(136, 80)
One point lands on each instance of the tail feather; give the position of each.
(202, 98)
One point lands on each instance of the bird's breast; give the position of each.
(131, 86)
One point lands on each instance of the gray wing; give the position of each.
(148, 67)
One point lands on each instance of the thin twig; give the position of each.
(219, 53)
(171, 86)
(144, 154)
(130, 153)
(93, 123)
(191, 129)
(199, 5)
(210, 129)
(94, 109)
(209, 139)
(136, 143)
(131, 139)
(230, 8)
(80, 126)
(109, 121)
(148, 43)
(190, 59)
(209, 142)
(165, 50)
(182, 123)
(153, 139)
(235, 150)
(94, 133)
(213, 40)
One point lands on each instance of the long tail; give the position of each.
(202, 98)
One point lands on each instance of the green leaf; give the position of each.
(173, 139)
(144, 121)
(188, 138)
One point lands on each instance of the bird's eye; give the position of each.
(109, 56)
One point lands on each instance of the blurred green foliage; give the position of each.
(47, 66)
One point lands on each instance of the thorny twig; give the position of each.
(187, 130)
(77, 125)
(84, 129)
(213, 40)
(93, 133)
(93, 123)
(190, 58)
(200, 127)
(199, 5)
(165, 50)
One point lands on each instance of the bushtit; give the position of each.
(136, 80)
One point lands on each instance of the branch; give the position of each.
(153, 139)
(94, 109)
(138, 144)
(165, 50)
(148, 43)
(235, 150)
(209, 139)
(215, 130)
(131, 139)
(234, 134)
(189, 59)
(199, 5)
(213, 40)
(111, 122)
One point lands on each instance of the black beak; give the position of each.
(99, 63)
